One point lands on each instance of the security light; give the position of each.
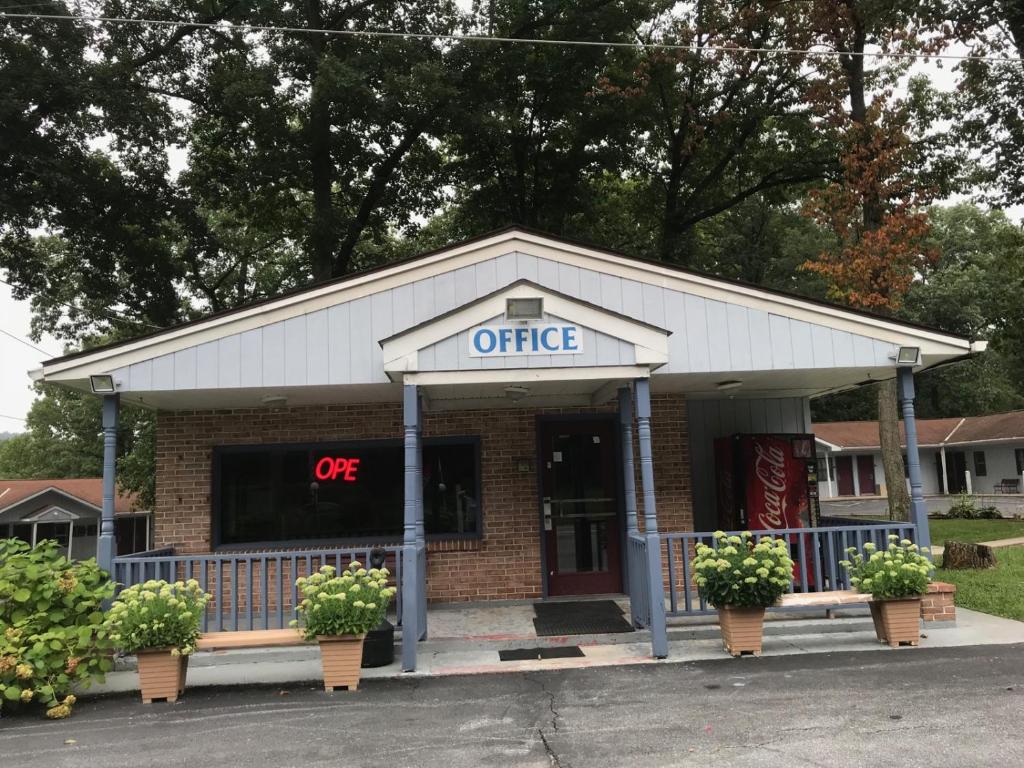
(524, 309)
(515, 392)
(908, 356)
(274, 401)
(102, 385)
(727, 385)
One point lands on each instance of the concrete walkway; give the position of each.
(689, 641)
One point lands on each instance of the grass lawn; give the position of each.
(999, 590)
(973, 531)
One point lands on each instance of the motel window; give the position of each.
(342, 491)
(979, 464)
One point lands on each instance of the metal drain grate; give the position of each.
(526, 654)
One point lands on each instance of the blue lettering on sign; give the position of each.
(509, 340)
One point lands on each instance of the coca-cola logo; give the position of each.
(770, 471)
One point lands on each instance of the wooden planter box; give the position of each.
(876, 618)
(901, 621)
(742, 630)
(341, 656)
(161, 675)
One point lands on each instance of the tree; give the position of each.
(992, 93)
(874, 207)
(716, 127)
(64, 438)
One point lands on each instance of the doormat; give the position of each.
(585, 617)
(530, 654)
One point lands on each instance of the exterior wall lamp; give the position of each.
(907, 357)
(103, 384)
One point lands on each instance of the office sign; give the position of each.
(507, 340)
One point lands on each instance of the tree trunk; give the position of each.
(892, 451)
(956, 556)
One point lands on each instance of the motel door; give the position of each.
(582, 536)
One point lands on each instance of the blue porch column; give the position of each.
(918, 509)
(628, 471)
(421, 534)
(659, 632)
(106, 545)
(410, 553)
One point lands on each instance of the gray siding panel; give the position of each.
(229, 361)
(295, 351)
(318, 348)
(711, 419)
(140, 376)
(185, 368)
(762, 356)
(340, 345)
(273, 355)
(207, 366)
(251, 352)
(360, 319)
(698, 341)
(339, 364)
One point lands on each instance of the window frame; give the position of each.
(980, 467)
(219, 451)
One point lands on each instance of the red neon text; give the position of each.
(331, 468)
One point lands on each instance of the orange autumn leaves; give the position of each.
(875, 213)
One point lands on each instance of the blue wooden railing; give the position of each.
(251, 590)
(815, 551)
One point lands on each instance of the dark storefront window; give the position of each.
(342, 491)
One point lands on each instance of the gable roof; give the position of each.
(500, 234)
(87, 490)
(995, 427)
(864, 341)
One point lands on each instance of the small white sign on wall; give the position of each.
(507, 340)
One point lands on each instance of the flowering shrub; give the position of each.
(350, 604)
(898, 571)
(156, 614)
(51, 626)
(741, 573)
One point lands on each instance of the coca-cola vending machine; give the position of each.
(768, 482)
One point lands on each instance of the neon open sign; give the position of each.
(337, 468)
(506, 340)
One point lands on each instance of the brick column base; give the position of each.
(938, 604)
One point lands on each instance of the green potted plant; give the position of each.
(159, 623)
(338, 610)
(741, 577)
(895, 578)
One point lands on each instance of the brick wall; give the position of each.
(504, 564)
(938, 604)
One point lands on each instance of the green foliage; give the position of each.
(53, 635)
(896, 572)
(991, 590)
(350, 604)
(743, 574)
(156, 614)
(65, 439)
(963, 508)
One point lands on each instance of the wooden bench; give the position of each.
(833, 599)
(1008, 485)
(257, 638)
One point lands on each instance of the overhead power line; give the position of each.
(281, 30)
(109, 313)
(26, 343)
(13, 418)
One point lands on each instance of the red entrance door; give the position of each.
(844, 475)
(866, 475)
(582, 537)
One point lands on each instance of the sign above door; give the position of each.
(542, 339)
